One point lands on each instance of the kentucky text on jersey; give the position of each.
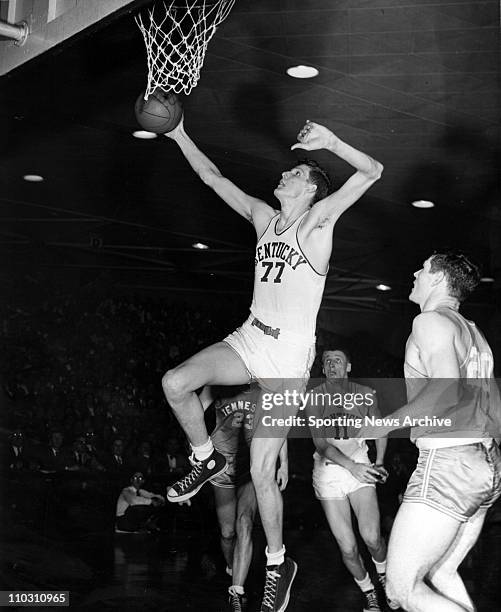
(280, 250)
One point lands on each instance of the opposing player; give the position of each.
(343, 476)
(234, 492)
(277, 340)
(458, 475)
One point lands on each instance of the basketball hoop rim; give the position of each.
(196, 5)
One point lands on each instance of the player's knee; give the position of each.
(228, 533)
(349, 551)
(442, 576)
(175, 386)
(371, 537)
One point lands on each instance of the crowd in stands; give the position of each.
(81, 383)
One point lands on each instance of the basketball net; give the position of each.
(176, 40)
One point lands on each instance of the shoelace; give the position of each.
(192, 476)
(236, 602)
(372, 600)
(270, 587)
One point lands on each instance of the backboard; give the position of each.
(51, 22)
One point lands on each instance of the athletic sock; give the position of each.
(276, 558)
(365, 584)
(204, 451)
(236, 588)
(380, 566)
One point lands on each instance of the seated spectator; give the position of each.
(114, 461)
(17, 453)
(137, 509)
(55, 457)
(91, 442)
(80, 459)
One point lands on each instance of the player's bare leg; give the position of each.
(365, 506)
(338, 514)
(280, 571)
(216, 365)
(226, 510)
(264, 455)
(366, 509)
(444, 575)
(246, 512)
(420, 538)
(236, 510)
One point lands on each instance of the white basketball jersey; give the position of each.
(287, 290)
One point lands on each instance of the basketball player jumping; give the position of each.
(277, 341)
(234, 492)
(457, 477)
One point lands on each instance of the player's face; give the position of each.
(295, 182)
(335, 365)
(422, 283)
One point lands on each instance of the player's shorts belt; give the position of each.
(266, 329)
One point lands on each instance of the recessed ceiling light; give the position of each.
(200, 245)
(33, 178)
(423, 204)
(302, 72)
(382, 287)
(487, 279)
(144, 135)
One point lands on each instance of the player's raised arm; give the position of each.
(253, 209)
(314, 136)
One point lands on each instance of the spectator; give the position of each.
(55, 457)
(114, 461)
(80, 459)
(17, 453)
(137, 509)
(92, 445)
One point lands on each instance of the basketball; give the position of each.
(160, 113)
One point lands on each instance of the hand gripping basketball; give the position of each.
(160, 113)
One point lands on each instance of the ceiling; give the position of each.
(413, 83)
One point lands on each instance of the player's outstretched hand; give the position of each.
(177, 130)
(314, 136)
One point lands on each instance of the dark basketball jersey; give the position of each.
(235, 421)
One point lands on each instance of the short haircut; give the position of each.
(319, 177)
(462, 273)
(341, 349)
